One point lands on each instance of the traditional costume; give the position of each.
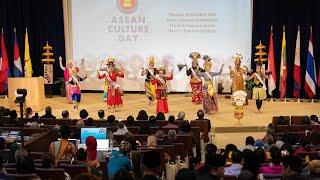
(195, 81)
(114, 92)
(210, 103)
(161, 90)
(66, 74)
(238, 75)
(259, 89)
(74, 87)
(149, 87)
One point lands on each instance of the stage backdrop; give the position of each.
(133, 30)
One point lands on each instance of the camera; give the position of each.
(21, 96)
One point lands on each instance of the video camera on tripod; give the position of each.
(21, 96)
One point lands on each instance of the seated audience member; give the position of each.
(6, 112)
(185, 174)
(250, 162)
(94, 157)
(152, 122)
(314, 119)
(130, 121)
(111, 120)
(200, 115)
(48, 113)
(152, 142)
(161, 139)
(293, 167)
(171, 123)
(46, 160)
(12, 150)
(181, 116)
(81, 156)
(275, 166)
(260, 155)
(281, 120)
(172, 136)
(77, 132)
(14, 117)
(249, 143)
(101, 115)
(20, 154)
(236, 166)
(304, 147)
(119, 159)
(142, 115)
(65, 115)
(210, 150)
(314, 169)
(246, 175)
(151, 165)
(229, 149)
(25, 166)
(314, 138)
(83, 116)
(89, 122)
(122, 129)
(123, 174)
(28, 113)
(186, 130)
(63, 149)
(214, 168)
(129, 138)
(160, 116)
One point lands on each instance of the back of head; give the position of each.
(186, 126)
(185, 174)
(65, 132)
(160, 134)
(314, 118)
(130, 120)
(83, 114)
(260, 155)
(276, 156)
(13, 114)
(215, 161)
(111, 119)
(125, 147)
(211, 149)
(152, 119)
(237, 157)
(65, 114)
(25, 166)
(151, 142)
(151, 160)
(249, 161)
(89, 122)
(281, 120)
(142, 115)
(200, 114)
(230, 148)
(28, 111)
(171, 119)
(121, 124)
(20, 154)
(160, 116)
(314, 167)
(48, 110)
(306, 120)
(246, 175)
(250, 140)
(81, 155)
(101, 114)
(122, 174)
(172, 134)
(181, 115)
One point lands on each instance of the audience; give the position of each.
(101, 115)
(235, 167)
(151, 165)
(63, 149)
(94, 157)
(152, 142)
(25, 166)
(129, 138)
(181, 116)
(142, 115)
(275, 167)
(89, 122)
(160, 116)
(65, 115)
(186, 130)
(46, 160)
(185, 174)
(200, 115)
(20, 154)
(119, 159)
(246, 175)
(171, 123)
(152, 122)
(214, 168)
(122, 129)
(122, 174)
(2, 144)
(249, 143)
(314, 169)
(130, 120)
(111, 120)
(161, 139)
(172, 136)
(48, 113)
(28, 113)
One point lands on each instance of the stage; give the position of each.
(225, 127)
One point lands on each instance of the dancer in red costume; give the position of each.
(161, 90)
(114, 91)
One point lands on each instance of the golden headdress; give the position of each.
(195, 56)
(111, 60)
(207, 61)
(237, 58)
(151, 60)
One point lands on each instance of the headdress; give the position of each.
(111, 60)
(151, 60)
(161, 69)
(237, 58)
(207, 61)
(195, 56)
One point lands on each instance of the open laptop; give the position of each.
(98, 133)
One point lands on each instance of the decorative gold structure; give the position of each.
(239, 98)
(47, 54)
(260, 54)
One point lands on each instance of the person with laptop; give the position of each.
(94, 156)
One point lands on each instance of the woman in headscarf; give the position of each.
(94, 157)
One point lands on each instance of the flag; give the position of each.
(271, 67)
(283, 68)
(311, 79)
(4, 68)
(17, 68)
(296, 68)
(27, 61)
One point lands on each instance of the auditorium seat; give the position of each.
(50, 173)
(225, 177)
(187, 141)
(298, 120)
(134, 129)
(203, 125)
(286, 120)
(11, 170)
(36, 155)
(179, 150)
(74, 169)
(272, 176)
(21, 176)
(161, 123)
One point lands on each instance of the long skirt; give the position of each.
(210, 103)
(162, 106)
(68, 93)
(150, 91)
(114, 97)
(196, 92)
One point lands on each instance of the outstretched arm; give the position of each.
(60, 61)
(217, 73)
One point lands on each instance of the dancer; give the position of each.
(150, 72)
(210, 103)
(259, 89)
(74, 86)
(161, 91)
(114, 92)
(195, 81)
(66, 73)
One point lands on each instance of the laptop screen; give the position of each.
(98, 133)
(102, 144)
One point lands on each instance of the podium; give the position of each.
(35, 88)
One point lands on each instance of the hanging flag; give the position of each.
(4, 68)
(27, 61)
(311, 79)
(17, 68)
(283, 67)
(296, 68)
(271, 67)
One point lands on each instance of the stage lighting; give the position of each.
(21, 96)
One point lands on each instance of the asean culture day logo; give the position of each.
(127, 6)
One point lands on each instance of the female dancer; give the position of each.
(114, 92)
(161, 91)
(74, 86)
(195, 81)
(150, 72)
(210, 103)
(66, 73)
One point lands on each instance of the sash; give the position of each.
(195, 74)
(76, 80)
(112, 83)
(261, 81)
(211, 88)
